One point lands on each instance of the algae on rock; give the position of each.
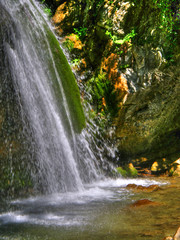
(69, 84)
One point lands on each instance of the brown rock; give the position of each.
(131, 186)
(139, 188)
(143, 202)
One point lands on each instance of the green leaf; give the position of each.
(120, 41)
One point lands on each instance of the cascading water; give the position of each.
(60, 165)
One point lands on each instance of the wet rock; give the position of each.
(122, 171)
(144, 202)
(139, 188)
(132, 170)
(128, 171)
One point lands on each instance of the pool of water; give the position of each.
(102, 211)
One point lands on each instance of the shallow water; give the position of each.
(102, 211)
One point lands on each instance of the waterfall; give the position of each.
(62, 158)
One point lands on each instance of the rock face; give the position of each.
(148, 124)
(132, 47)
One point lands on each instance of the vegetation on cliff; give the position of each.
(132, 51)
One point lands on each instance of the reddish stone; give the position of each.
(150, 188)
(144, 202)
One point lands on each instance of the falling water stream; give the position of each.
(74, 200)
(29, 54)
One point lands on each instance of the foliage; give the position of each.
(127, 37)
(68, 44)
(81, 32)
(48, 11)
(168, 26)
(124, 66)
(75, 62)
(156, 23)
(96, 87)
(103, 94)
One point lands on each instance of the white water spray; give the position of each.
(60, 165)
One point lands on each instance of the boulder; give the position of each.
(128, 171)
(144, 202)
(140, 188)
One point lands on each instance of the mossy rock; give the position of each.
(131, 170)
(69, 83)
(122, 171)
(127, 171)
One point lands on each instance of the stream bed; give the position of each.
(104, 210)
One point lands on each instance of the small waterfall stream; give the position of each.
(60, 165)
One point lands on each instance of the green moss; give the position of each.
(132, 172)
(69, 84)
(171, 171)
(121, 171)
(68, 44)
(128, 171)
